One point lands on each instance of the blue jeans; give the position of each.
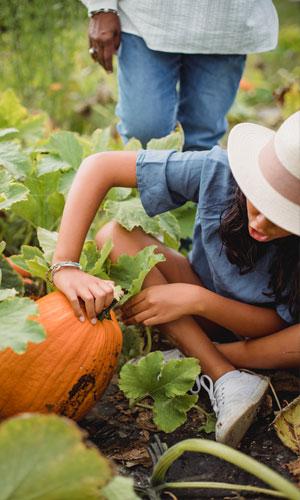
(157, 89)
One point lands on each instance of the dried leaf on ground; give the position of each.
(287, 425)
(294, 469)
(133, 457)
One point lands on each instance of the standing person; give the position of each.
(243, 271)
(178, 60)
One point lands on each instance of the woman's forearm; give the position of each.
(244, 319)
(96, 175)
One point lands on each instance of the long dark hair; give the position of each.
(244, 251)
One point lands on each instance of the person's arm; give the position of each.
(161, 304)
(96, 175)
(244, 319)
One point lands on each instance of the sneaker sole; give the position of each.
(239, 427)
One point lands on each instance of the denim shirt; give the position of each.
(166, 180)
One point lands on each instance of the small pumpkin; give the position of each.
(67, 372)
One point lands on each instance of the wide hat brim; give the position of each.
(245, 143)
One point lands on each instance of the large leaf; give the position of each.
(44, 204)
(10, 192)
(170, 413)
(16, 162)
(67, 147)
(44, 458)
(287, 425)
(166, 383)
(130, 213)
(33, 260)
(51, 163)
(93, 260)
(16, 330)
(185, 216)
(130, 271)
(47, 240)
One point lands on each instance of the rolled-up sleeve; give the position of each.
(167, 179)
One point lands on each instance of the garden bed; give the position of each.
(126, 435)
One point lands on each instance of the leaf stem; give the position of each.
(144, 405)
(217, 485)
(229, 454)
(148, 344)
(201, 410)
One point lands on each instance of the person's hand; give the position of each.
(160, 304)
(83, 289)
(104, 38)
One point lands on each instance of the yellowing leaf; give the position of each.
(287, 425)
(44, 457)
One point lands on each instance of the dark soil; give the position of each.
(126, 435)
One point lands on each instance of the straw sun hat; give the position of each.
(266, 166)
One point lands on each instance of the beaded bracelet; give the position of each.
(59, 265)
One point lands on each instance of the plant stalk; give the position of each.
(222, 486)
(230, 455)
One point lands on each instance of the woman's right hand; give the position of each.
(81, 289)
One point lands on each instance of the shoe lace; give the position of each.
(216, 396)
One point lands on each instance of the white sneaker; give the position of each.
(235, 398)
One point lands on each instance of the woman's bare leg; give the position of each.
(279, 350)
(184, 332)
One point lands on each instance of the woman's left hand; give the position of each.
(160, 304)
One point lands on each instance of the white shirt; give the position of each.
(198, 26)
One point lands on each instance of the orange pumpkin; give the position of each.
(68, 371)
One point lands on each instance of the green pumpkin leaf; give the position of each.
(133, 145)
(140, 380)
(16, 330)
(130, 271)
(210, 424)
(287, 425)
(16, 162)
(185, 216)
(51, 163)
(44, 205)
(67, 147)
(44, 457)
(33, 260)
(170, 413)
(10, 192)
(5, 132)
(130, 213)
(175, 140)
(6, 293)
(119, 488)
(167, 383)
(47, 240)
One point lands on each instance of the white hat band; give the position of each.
(277, 175)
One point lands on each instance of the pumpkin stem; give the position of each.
(105, 313)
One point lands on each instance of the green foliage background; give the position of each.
(43, 47)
